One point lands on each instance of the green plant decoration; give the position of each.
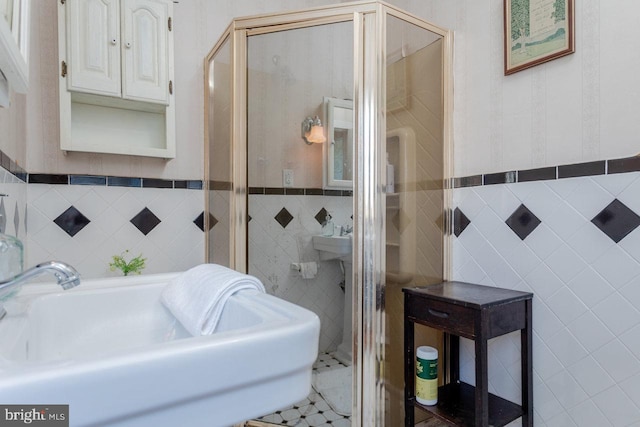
(135, 266)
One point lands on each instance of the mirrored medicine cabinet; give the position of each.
(338, 151)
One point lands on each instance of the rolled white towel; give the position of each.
(197, 297)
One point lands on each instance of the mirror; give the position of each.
(338, 151)
(14, 30)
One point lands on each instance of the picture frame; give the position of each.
(537, 31)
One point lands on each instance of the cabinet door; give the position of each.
(93, 46)
(146, 50)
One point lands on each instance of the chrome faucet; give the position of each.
(346, 229)
(66, 276)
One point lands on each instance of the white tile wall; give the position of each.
(273, 248)
(586, 317)
(176, 244)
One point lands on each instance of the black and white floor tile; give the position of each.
(313, 411)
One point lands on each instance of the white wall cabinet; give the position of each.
(116, 80)
(93, 40)
(145, 34)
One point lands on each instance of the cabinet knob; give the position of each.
(114, 42)
(128, 45)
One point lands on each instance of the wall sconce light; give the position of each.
(312, 130)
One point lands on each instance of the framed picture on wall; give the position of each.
(536, 31)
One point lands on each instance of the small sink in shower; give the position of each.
(333, 247)
(339, 248)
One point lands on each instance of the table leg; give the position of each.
(527, 368)
(454, 358)
(482, 383)
(409, 373)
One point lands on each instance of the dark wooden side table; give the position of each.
(479, 313)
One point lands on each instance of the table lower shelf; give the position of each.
(456, 404)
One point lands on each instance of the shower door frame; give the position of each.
(369, 47)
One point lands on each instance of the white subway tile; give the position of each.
(617, 313)
(617, 267)
(565, 263)
(590, 331)
(588, 414)
(617, 407)
(617, 360)
(567, 390)
(590, 375)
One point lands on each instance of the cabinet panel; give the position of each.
(93, 37)
(145, 50)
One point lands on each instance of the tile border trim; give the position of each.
(282, 191)
(12, 167)
(595, 168)
(8, 164)
(112, 181)
(600, 167)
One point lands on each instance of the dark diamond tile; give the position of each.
(16, 220)
(460, 222)
(199, 221)
(145, 221)
(401, 221)
(321, 216)
(72, 221)
(522, 222)
(616, 220)
(283, 217)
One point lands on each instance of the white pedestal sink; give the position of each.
(340, 248)
(117, 356)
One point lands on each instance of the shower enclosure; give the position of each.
(268, 191)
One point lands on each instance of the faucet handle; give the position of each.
(345, 229)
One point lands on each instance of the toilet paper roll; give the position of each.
(308, 270)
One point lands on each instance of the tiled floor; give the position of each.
(312, 411)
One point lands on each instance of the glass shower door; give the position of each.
(216, 220)
(290, 73)
(415, 202)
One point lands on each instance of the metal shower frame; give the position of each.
(369, 46)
